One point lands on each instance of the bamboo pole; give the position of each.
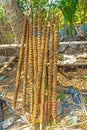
(25, 69)
(54, 93)
(20, 63)
(44, 81)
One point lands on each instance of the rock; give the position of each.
(2, 60)
(61, 33)
(63, 48)
(74, 48)
(9, 68)
(1, 128)
(85, 29)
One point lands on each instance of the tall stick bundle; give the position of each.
(25, 67)
(20, 62)
(50, 67)
(54, 93)
(44, 81)
(35, 80)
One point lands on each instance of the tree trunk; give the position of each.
(14, 16)
(6, 34)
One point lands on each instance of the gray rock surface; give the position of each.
(2, 60)
(62, 48)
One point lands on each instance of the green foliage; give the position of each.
(85, 98)
(62, 96)
(37, 3)
(22, 4)
(1, 13)
(31, 4)
(85, 77)
(70, 11)
(68, 8)
(10, 35)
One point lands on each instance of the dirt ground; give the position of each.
(73, 77)
(7, 85)
(67, 76)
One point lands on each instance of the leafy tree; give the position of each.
(68, 8)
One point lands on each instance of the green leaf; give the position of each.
(62, 96)
(85, 77)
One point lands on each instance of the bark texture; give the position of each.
(6, 34)
(14, 16)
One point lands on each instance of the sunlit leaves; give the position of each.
(23, 5)
(1, 13)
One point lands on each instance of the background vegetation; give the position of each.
(71, 12)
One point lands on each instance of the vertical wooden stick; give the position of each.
(27, 95)
(20, 63)
(54, 93)
(38, 81)
(39, 39)
(44, 32)
(31, 69)
(25, 68)
(50, 68)
(35, 49)
(44, 81)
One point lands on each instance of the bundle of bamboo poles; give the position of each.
(39, 79)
